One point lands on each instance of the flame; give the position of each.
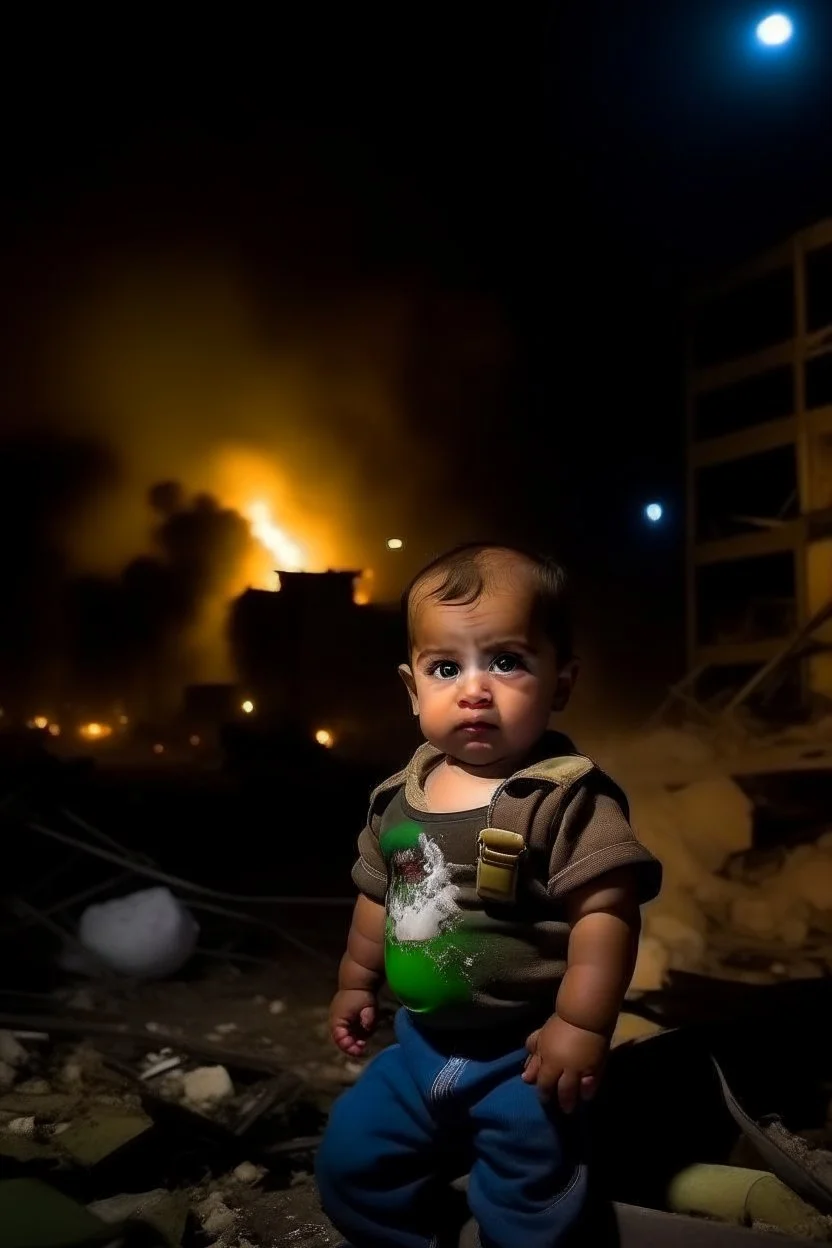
(286, 553)
(289, 534)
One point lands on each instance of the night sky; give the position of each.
(463, 239)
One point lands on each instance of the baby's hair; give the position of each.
(465, 573)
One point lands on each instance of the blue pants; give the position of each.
(378, 1162)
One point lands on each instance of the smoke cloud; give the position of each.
(190, 397)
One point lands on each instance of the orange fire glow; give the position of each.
(286, 553)
(289, 534)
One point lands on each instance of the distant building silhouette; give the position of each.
(313, 661)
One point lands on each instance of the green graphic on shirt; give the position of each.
(428, 956)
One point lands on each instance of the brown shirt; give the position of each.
(460, 962)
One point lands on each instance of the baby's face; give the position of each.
(483, 677)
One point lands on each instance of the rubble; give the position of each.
(78, 1105)
(211, 1091)
(215, 1216)
(248, 1173)
(159, 1210)
(652, 966)
(12, 1052)
(147, 934)
(722, 899)
(33, 1212)
(816, 1160)
(207, 1086)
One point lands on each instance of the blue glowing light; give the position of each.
(654, 512)
(775, 30)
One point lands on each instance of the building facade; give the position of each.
(313, 661)
(759, 488)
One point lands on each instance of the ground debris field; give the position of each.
(195, 1105)
(184, 1107)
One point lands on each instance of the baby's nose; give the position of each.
(476, 687)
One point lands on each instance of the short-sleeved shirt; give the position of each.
(459, 962)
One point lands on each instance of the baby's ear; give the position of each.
(567, 676)
(410, 684)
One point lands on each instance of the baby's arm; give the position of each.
(568, 1054)
(352, 1015)
(605, 924)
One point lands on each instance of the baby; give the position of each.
(510, 951)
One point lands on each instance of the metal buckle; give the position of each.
(498, 859)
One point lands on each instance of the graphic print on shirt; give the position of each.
(428, 955)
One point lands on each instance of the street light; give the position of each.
(775, 30)
(654, 512)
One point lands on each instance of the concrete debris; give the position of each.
(72, 1073)
(718, 891)
(712, 839)
(660, 750)
(22, 1126)
(248, 1173)
(34, 1213)
(161, 1065)
(817, 1160)
(101, 1128)
(652, 965)
(163, 1211)
(148, 934)
(12, 1051)
(8, 1075)
(207, 1086)
(34, 1087)
(81, 999)
(677, 922)
(215, 1216)
(277, 1007)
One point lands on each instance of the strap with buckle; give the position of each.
(498, 859)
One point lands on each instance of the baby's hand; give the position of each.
(352, 1019)
(566, 1061)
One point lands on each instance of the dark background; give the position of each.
(538, 187)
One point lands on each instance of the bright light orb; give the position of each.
(654, 512)
(775, 30)
(394, 543)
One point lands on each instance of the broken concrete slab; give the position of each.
(100, 1130)
(165, 1212)
(35, 1215)
(89, 1131)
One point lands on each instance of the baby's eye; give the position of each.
(445, 669)
(506, 663)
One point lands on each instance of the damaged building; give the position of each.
(314, 661)
(759, 399)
